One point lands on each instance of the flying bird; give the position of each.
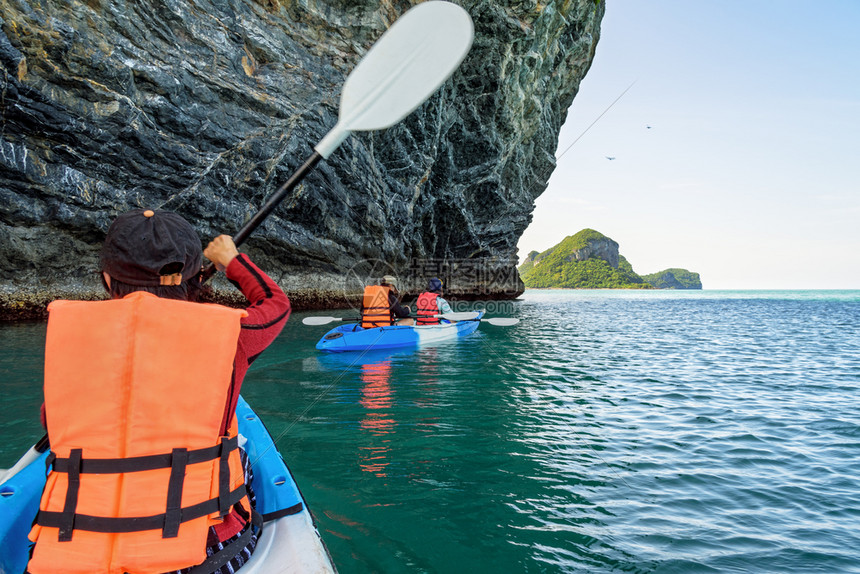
(610, 158)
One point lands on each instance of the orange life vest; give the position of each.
(427, 307)
(375, 308)
(135, 392)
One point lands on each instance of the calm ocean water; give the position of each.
(610, 431)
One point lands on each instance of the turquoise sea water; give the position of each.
(610, 431)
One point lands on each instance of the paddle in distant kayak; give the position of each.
(463, 316)
(353, 338)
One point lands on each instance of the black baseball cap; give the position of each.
(150, 248)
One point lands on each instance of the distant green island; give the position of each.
(590, 260)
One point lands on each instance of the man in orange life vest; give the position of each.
(380, 304)
(431, 303)
(140, 399)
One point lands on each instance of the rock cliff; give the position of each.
(585, 260)
(590, 260)
(674, 279)
(204, 107)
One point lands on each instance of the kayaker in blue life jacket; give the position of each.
(431, 303)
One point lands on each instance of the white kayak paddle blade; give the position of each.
(320, 320)
(502, 321)
(464, 316)
(402, 69)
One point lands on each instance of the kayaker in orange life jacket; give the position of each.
(431, 303)
(152, 379)
(381, 304)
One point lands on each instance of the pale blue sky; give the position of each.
(750, 172)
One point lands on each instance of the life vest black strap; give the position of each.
(117, 525)
(67, 516)
(177, 461)
(173, 512)
(224, 481)
(150, 462)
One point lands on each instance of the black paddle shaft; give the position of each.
(267, 209)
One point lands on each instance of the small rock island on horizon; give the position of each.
(590, 260)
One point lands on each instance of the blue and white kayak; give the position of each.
(290, 541)
(353, 337)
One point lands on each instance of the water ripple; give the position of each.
(608, 432)
(721, 433)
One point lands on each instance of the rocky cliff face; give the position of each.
(585, 245)
(591, 260)
(603, 248)
(674, 278)
(204, 107)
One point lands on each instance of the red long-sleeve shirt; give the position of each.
(267, 314)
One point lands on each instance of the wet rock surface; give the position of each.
(206, 107)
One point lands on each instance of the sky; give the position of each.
(737, 148)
